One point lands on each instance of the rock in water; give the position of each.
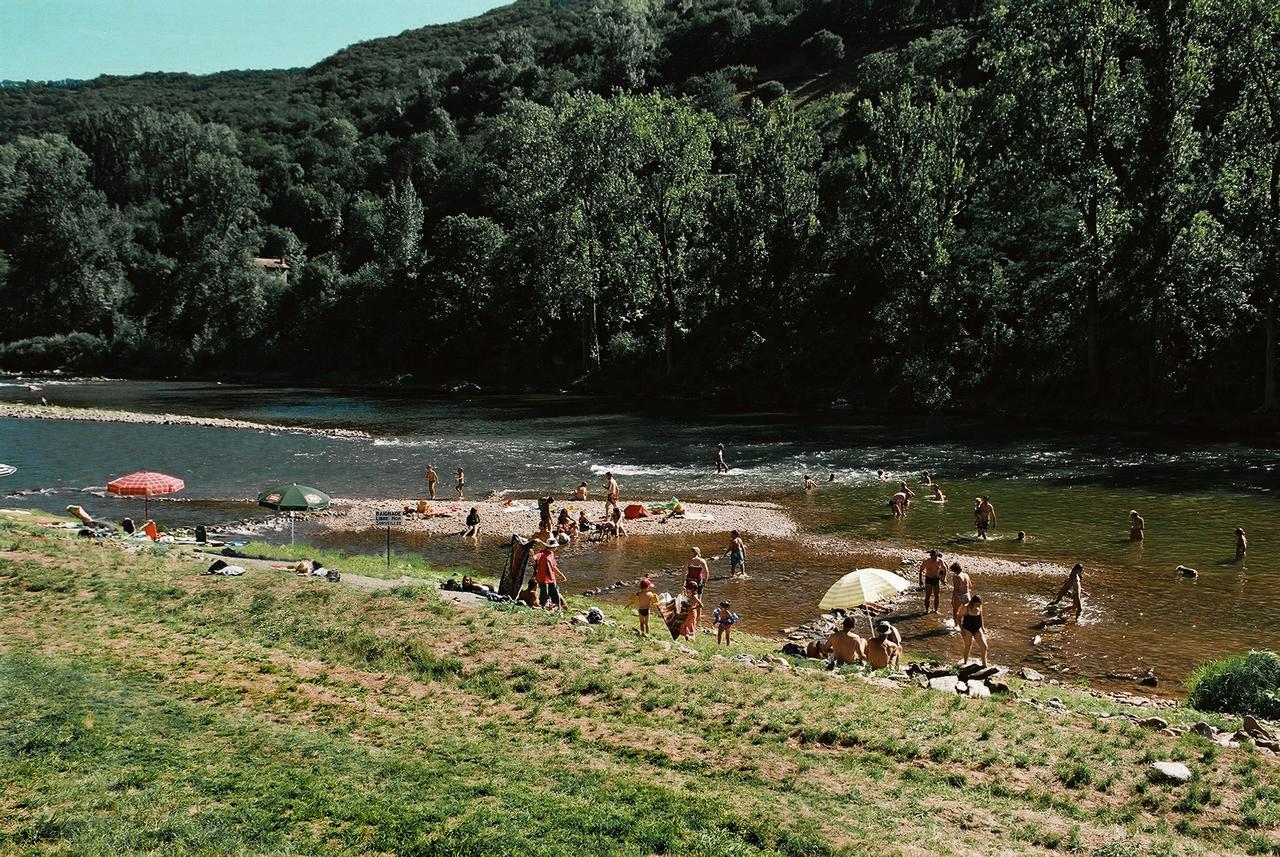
(1172, 771)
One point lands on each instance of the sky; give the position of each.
(59, 39)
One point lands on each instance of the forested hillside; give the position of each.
(920, 203)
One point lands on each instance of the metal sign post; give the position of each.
(388, 520)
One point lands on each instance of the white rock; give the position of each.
(1175, 771)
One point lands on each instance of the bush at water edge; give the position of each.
(1240, 684)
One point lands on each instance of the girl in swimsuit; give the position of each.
(690, 625)
(695, 574)
(971, 629)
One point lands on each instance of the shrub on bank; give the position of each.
(1241, 684)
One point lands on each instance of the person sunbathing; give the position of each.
(845, 646)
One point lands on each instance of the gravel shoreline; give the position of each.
(19, 411)
(521, 516)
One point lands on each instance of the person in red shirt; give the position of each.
(548, 575)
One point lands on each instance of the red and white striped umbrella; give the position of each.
(146, 485)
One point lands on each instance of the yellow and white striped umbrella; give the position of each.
(862, 586)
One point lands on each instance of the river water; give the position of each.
(1069, 490)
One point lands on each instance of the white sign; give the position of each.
(388, 519)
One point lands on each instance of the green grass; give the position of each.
(145, 708)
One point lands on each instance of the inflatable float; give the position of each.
(7, 469)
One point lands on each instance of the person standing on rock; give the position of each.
(971, 629)
(432, 479)
(1072, 587)
(961, 592)
(932, 571)
(721, 467)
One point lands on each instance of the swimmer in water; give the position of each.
(831, 478)
(809, 484)
(925, 479)
(882, 476)
(938, 496)
(985, 517)
(1242, 544)
(1137, 527)
(1021, 537)
(721, 467)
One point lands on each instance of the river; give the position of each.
(1070, 490)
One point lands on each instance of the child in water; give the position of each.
(724, 622)
(644, 601)
(473, 524)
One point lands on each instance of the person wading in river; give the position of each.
(971, 630)
(1137, 527)
(985, 516)
(721, 467)
(1242, 544)
(737, 555)
(461, 483)
(961, 591)
(1072, 587)
(932, 571)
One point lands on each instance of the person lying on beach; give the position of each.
(845, 646)
(85, 517)
(1242, 544)
(1072, 587)
(884, 649)
(581, 492)
(469, 585)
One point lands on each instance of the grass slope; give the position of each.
(147, 709)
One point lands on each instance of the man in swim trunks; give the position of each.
(737, 555)
(845, 646)
(1137, 527)
(611, 493)
(985, 516)
(581, 492)
(1072, 587)
(432, 479)
(721, 467)
(898, 505)
(961, 591)
(932, 572)
(884, 649)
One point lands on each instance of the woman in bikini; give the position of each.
(961, 591)
(696, 573)
(971, 629)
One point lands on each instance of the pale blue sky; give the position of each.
(57, 39)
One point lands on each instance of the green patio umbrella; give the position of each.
(293, 498)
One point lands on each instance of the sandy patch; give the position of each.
(448, 518)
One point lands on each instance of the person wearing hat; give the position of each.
(932, 571)
(884, 649)
(644, 601)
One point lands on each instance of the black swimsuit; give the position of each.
(971, 622)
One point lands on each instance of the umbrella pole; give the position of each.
(146, 508)
(291, 529)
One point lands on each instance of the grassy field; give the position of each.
(145, 708)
